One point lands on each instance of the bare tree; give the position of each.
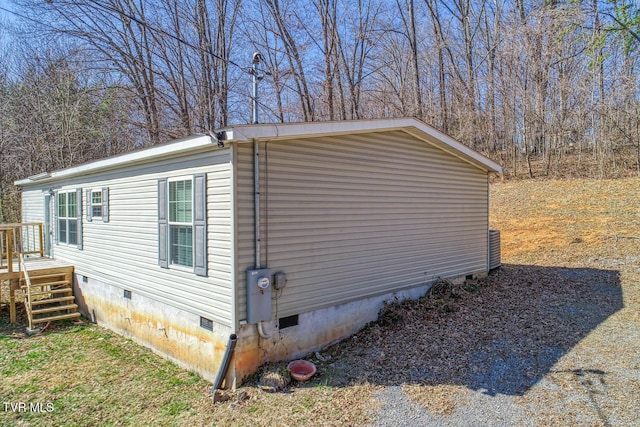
(278, 14)
(362, 33)
(407, 14)
(528, 82)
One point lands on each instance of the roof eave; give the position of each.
(157, 152)
(415, 127)
(282, 131)
(455, 148)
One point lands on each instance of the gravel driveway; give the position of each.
(529, 346)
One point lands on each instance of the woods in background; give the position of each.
(540, 86)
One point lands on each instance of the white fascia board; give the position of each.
(141, 156)
(282, 131)
(417, 128)
(455, 148)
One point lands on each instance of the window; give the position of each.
(181, 223)
(68, 207)
(96, 203)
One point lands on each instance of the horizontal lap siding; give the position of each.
(356, 216)
(32, 205)
(124, 251)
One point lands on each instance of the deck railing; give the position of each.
(27, 281)
(6, 247)
(20, 238)
(17, 241)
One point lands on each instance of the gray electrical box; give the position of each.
(258, 295)
(279, 281)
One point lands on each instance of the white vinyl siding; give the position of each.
(244, 219)
(33, 205)
(124, 251)
(356, 216)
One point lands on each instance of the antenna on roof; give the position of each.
(257, 57)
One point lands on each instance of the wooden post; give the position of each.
(12, 305)
(3, 251)
(14, 284)
(41, 240)
(10, 252)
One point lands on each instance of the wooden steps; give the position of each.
(52, 291)
(35, 276)
(58, 317)
(46, 283)
(54, 308)
(49, 295)
(52, 300)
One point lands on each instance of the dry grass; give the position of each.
(95, 377)
(545, 221)
(441, 399)
(595, 224)
(555, 330)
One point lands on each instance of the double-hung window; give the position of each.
(96, 203)
(68, 222)
(181, 222)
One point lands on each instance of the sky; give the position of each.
(4, 6)
(5, 18)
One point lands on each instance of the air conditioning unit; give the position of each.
(494, 249)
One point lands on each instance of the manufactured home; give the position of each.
(284, 237)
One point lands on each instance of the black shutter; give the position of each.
(200, 224)
(163, 224)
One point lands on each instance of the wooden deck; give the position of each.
(36, 267)
(33, 264)
(46, 284)
(24, 238)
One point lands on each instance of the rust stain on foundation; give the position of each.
(247, 362)
(248, 357)
(194, 347)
